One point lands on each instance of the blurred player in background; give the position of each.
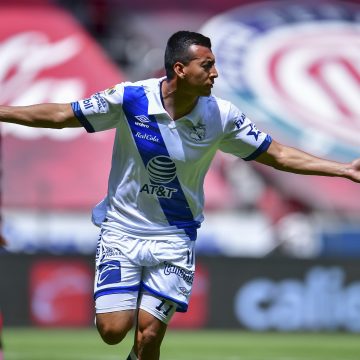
(168, 131)
(2, 243)
(1, 343)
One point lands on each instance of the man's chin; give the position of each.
(203, 91)
(206, 92)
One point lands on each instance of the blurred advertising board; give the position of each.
(292, 67)
(270, 294)
(46, 56)
(46, 290)
(60, 292)
(284, 294)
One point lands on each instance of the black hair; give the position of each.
(177, 49)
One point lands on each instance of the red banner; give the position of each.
(45, 56)
(61, 293)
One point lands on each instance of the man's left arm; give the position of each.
(292, 160)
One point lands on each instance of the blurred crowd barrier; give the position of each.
(226, 233)
(291, 66)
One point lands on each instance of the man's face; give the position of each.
(200, 73)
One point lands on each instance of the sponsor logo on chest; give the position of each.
(161, 170)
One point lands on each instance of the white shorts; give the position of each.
(128, 270)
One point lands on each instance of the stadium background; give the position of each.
(276, 252)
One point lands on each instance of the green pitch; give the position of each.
(80, 344)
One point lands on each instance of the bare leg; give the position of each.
(114, 326)
(149, 334)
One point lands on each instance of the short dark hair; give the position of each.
(177, 49)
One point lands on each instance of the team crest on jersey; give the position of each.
(198, 132)
(292, 66)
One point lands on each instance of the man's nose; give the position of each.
(214, 73)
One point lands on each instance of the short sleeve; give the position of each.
(241, 136)
(101, 111)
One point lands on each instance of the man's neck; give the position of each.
(177, 102)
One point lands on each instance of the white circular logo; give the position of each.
(161, 169)
(296, 65)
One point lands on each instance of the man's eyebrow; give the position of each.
(202, 60)
(208, 61)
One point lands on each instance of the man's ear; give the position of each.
(179, 69)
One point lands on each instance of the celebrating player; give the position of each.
(168, 131)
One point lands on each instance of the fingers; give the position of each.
(2, 241)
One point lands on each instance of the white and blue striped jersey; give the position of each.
(155, 188)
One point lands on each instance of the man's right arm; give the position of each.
(54, 116)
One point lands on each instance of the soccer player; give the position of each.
(168, 131)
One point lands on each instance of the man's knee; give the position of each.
(111, 335)
(113, 327)
(150, 332)
(150, 337)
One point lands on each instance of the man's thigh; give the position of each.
(114, 326)
(116, 319)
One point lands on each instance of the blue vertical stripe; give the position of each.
(175, 208)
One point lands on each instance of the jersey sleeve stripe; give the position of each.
(81, 117)
(262, 148)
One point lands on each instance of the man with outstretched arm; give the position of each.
(167, 133)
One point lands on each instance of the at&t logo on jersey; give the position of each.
(161, 170)
(294, 65)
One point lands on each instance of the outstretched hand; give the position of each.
(354, 171)
(2, 241)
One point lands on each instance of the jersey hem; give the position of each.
(181, 306)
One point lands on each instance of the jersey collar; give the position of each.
(156, 107)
